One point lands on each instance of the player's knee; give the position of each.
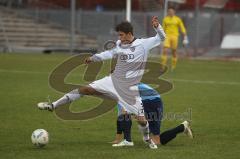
(142, 121)
(165, 49)
(86, 90)
(174, 50)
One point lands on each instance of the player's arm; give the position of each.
(108, 54)
(184, 32)
(152, 42)
(182, 27)
(164, 24)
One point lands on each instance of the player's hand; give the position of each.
(185, 40)
(88, 60)
(155, 21)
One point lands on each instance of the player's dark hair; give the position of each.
(171, 7)
(125, 27)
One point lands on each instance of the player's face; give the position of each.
(124, 37)
(171, 12)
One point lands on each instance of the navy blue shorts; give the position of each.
(153, 112)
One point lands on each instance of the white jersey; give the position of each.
(131, 58)
(129, 69)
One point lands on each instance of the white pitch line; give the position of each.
(22, 71)
(206, 82)
(173, 79)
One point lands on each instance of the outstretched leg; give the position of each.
(169, 135)
(68, 98)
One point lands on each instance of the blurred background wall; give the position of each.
(40, 24)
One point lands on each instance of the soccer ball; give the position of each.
(40, 137)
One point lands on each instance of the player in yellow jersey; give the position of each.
(171, 26)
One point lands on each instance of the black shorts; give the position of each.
(153, 112)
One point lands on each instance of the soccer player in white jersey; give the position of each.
(131, 54)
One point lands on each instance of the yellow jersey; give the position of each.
(171, 25)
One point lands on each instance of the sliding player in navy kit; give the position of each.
(153, 108)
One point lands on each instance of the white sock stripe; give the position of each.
(73, 95)
(68, 98)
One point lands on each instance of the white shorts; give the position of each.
(106, 87)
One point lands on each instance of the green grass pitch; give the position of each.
(210, 89)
